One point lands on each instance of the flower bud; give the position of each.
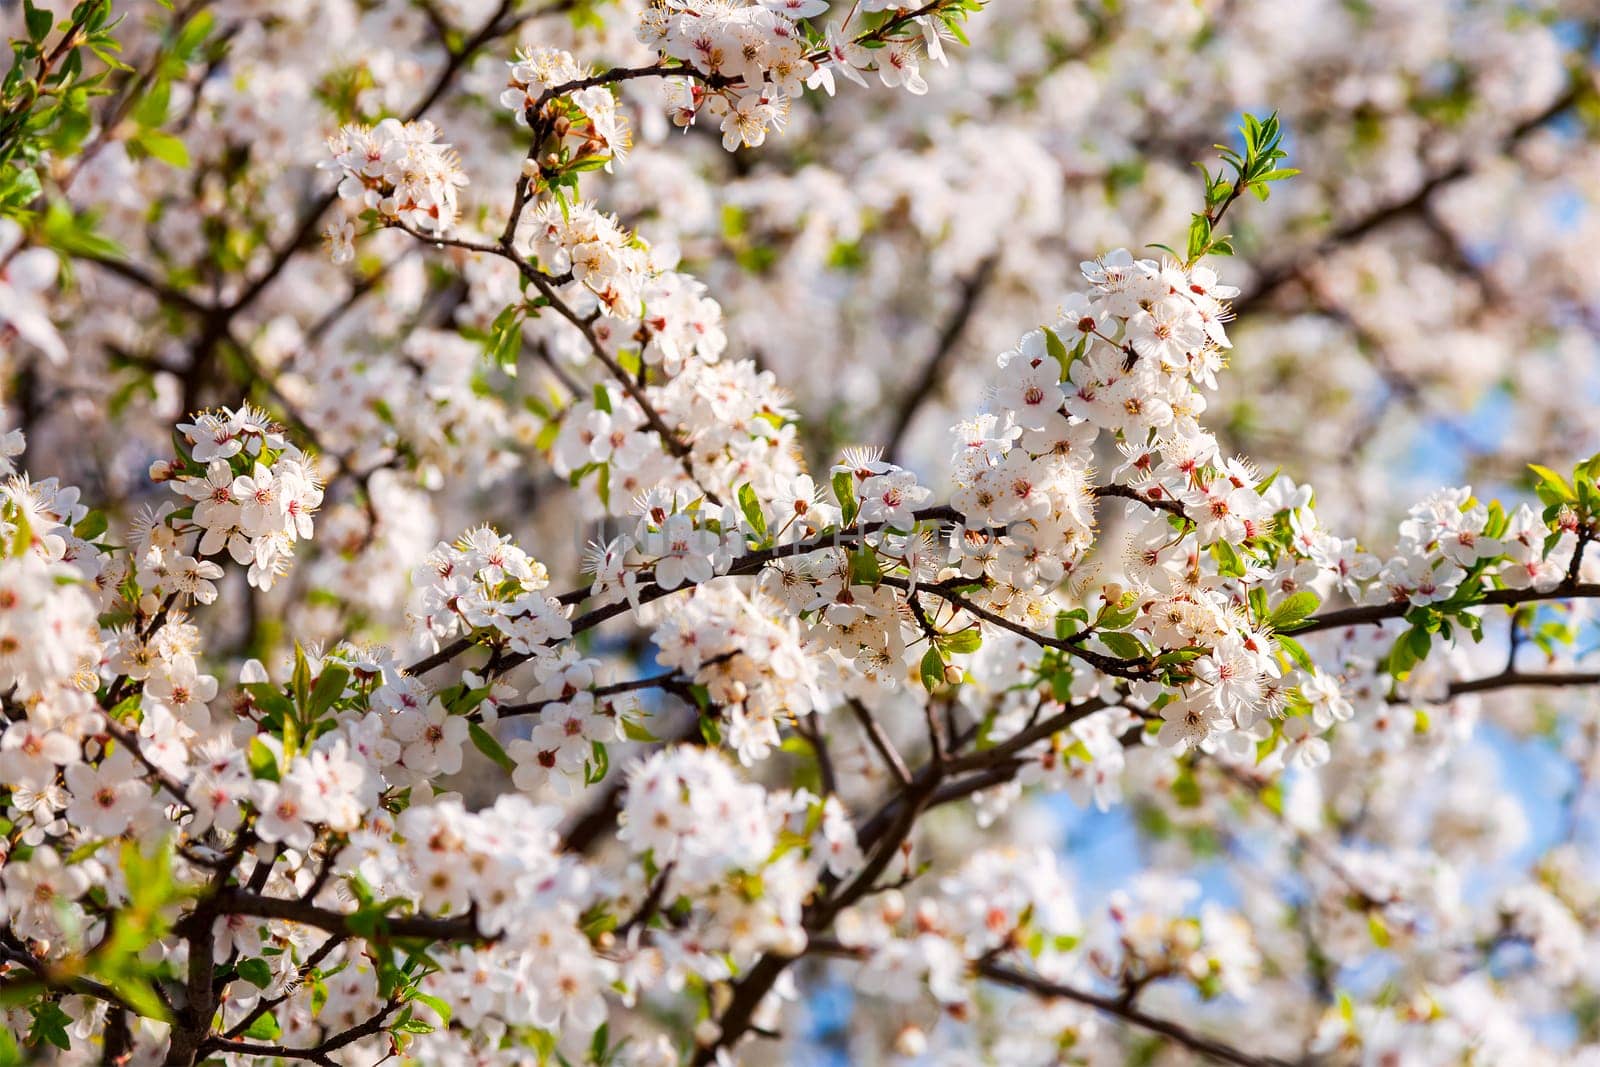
(911, 1041)
(791, 942)
(721, 997)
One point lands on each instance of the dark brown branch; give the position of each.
(1525, 680)
(654, 681)
(880, 741)
(649, 906)
(753, 562)
(1274, 277)
(1127, 1012)
(933, 371)
(1128, 492)
(1107, 664)
(427, 927)
(1377, 613)
(749, 563)
(45, 979)
(143, 279)
(318, 1054)
(1024, 739)
(269, 1003)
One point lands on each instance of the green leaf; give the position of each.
(1199, 237)
(1057, 350)
(602, 398)
(599, 763)
(22, 536)
(844, 491)
(73, 232)
(265, 1028)
(1296, 652)
(485, 742)
(50, 1025)
(751, 507)
(1551, 486)
(1228, 562)
(270, 699)
(300, 681)
(151, 110)
(1186, 790)
(587, 163)
(329, 688)
(1068, 623)
(1410, 648)
(864, 569)
(163, 146)
(291, 736)
(1295, 609)
(194, 34)
(962, 642)
(263, 764)
(440, 1007)
(634, 730)
(1257, 598)
(85, 850)
(1123, 646)
(1116, 616)
(1588, 496)
(38, 21)
(459, 700)
(505, 339)
(710, 730)
(93, 525)
(255, 971)
(932, 669)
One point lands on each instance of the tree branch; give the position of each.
(1376, 613)
(1119, 1008)
(933, 371)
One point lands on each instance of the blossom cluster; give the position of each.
(592, 127)
(750, 660)
(482, 581)
(602, 257)
(252, 492)
(798, 716)
(398, 170)
(704, 828)
(753, 58)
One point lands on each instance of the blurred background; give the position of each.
(1419, 308)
